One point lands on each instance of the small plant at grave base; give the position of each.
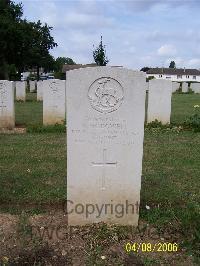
(194, 120)
(157, 124)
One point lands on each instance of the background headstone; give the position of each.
(195, 87)
(184, 87)
(32, 84)
(20, 90)
(175, 86)
(53, 101)
(159, 101)
(39, 90)
(105, 127)
(7, 114)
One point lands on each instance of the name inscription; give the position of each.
(103, 130)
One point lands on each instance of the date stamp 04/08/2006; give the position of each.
(149, 247)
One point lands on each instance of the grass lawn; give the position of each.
(33, 170)
(29, 112)
(182, 106)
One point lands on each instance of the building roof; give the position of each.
(77, 66)
(174, 71)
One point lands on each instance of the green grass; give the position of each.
(33, 168)
(29, 112)
(182, 106)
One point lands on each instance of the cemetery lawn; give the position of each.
(30, 112)
(183, 106)
(33, 190)
(33, 179)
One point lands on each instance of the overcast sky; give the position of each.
(136, 33)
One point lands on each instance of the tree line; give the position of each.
(25, 44)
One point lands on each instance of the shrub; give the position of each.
(194, 120)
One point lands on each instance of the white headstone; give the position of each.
(195, 87)
(159, 101)
(184, 87)
(53, 101)
(105, 128)
(14, 85)
(32, 84)
(40, 90)
(175, 86)
(7, 114)
(20, 91)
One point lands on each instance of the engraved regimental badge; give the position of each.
(106, 95)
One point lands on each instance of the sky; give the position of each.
(135, 33)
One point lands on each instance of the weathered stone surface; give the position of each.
(53, 101)
(195, 87)
(7, 114)
(20, 91)
(159, 101)
(184, 87)
(32, 84)
(175, 86)
(105, 128)
(40, 90)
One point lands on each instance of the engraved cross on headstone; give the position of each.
(104, 164)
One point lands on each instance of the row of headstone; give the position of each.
(105, 132)
(53, 94)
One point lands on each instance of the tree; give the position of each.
(25, 44)
(60, 61)
(145, 69)
(172, 64)
(99, 55)
(10, 16)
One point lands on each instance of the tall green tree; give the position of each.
(99, 55)
(145, 69)
(24, 44)
(60, 61)
(172, 64)
(10, 17)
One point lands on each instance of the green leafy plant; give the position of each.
(194, 120)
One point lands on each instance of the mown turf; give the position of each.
(183, 106)
(32, 168)
(29, 112)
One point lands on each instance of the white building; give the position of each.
(175, 74)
